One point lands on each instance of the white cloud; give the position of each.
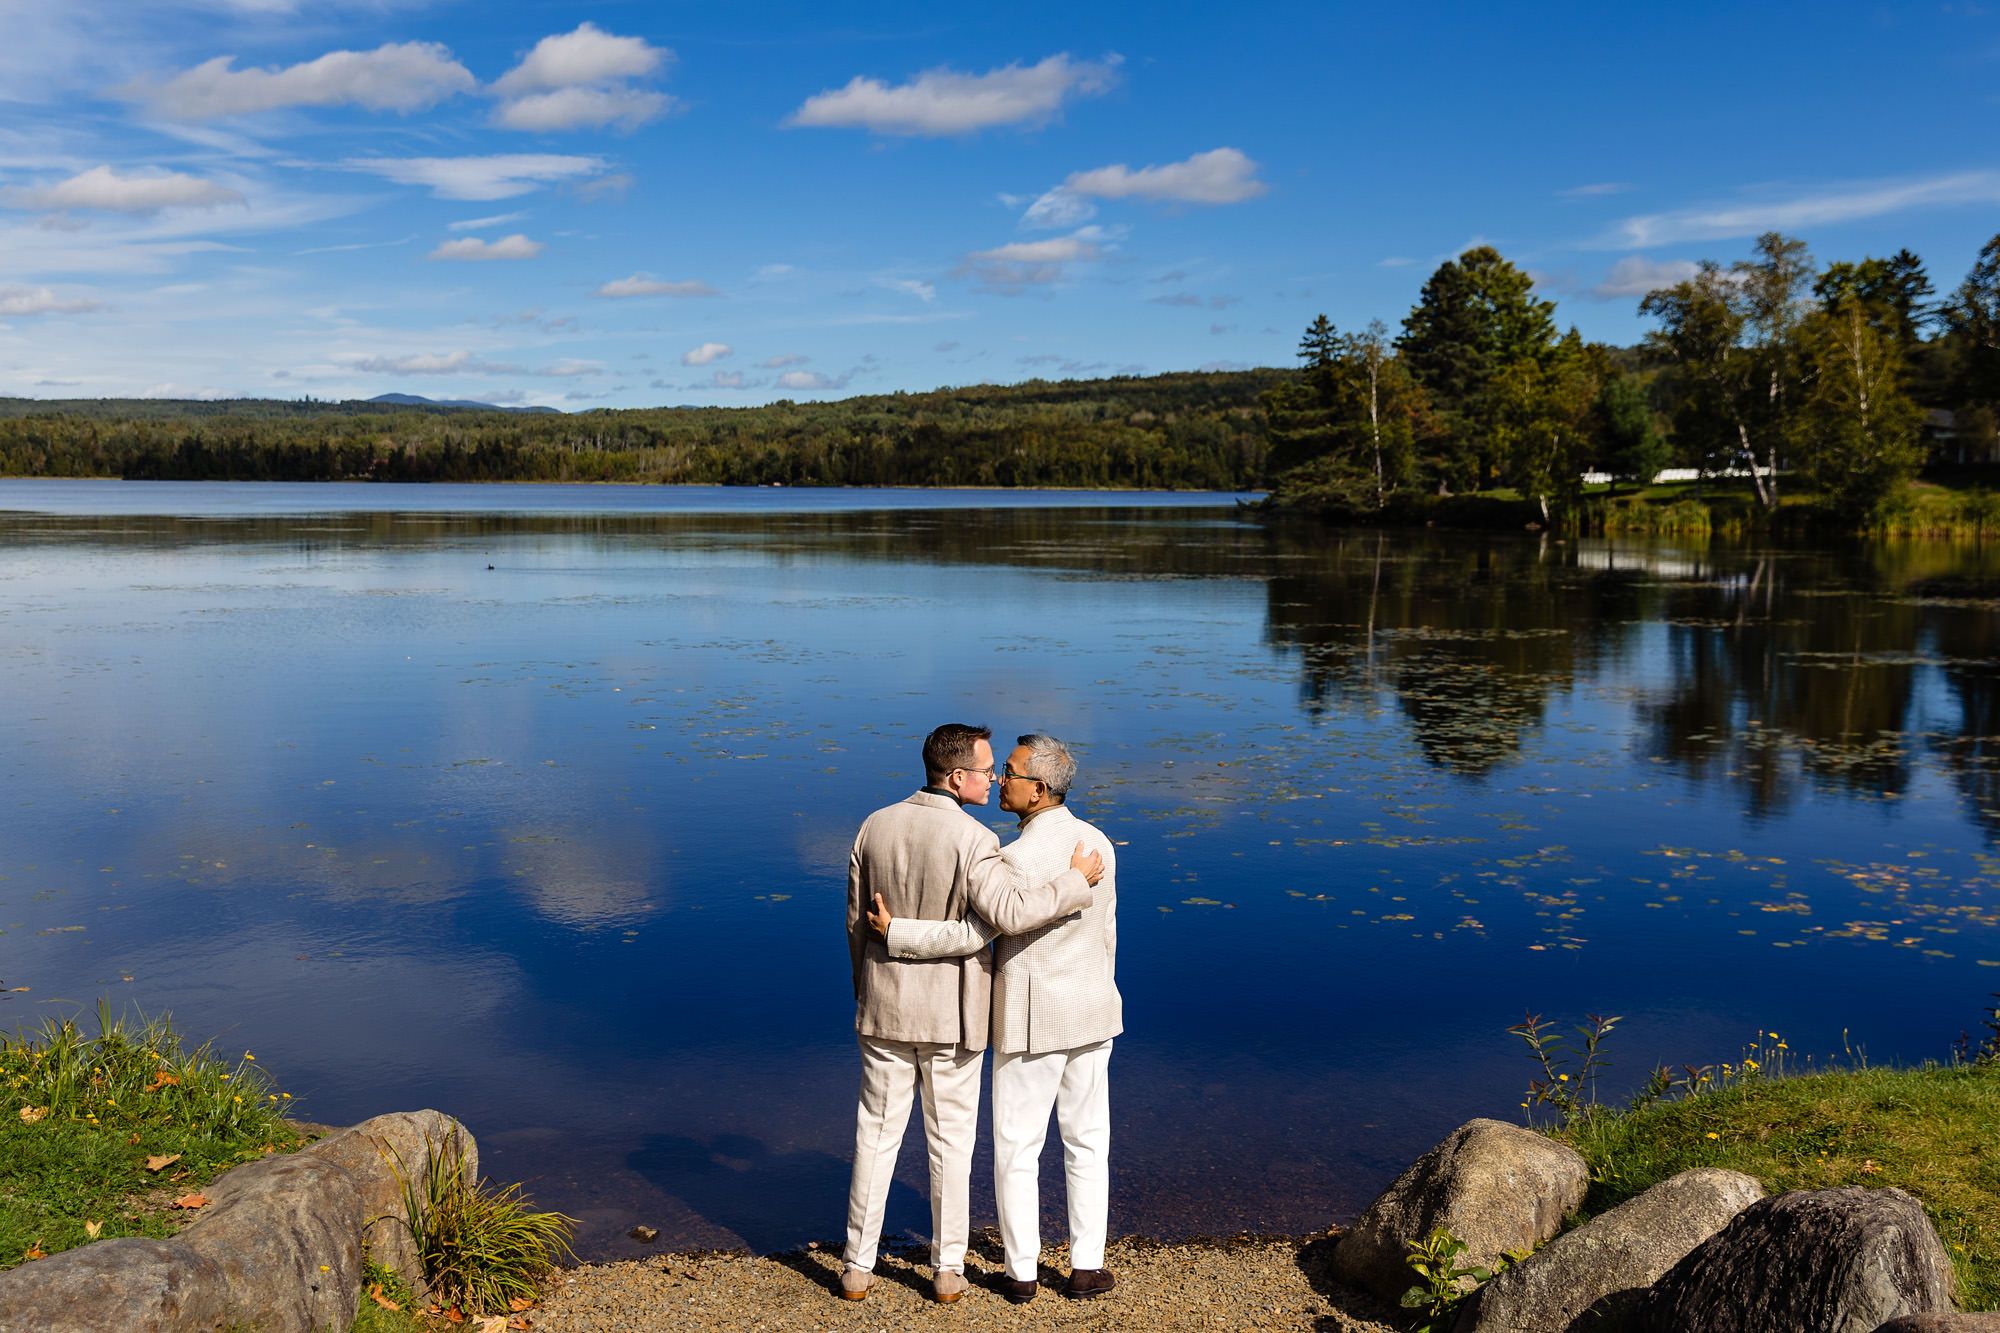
(942, 101)
(609, 187)
(1021, 264)
(358, 245)
(405, 77)
(460, 362)
(779, 362)
(481, 224)
(805, 379)
(1219, 176)
(578, 80)
(41, 301)
(706, 353)
(580, 109)
(588, 55)
(923, 291)
(516, 246)
(568, 367)
(644, 284)
(1636, 275)
(1818, 208)
(498, 176)
(772, 272)
(1058, 208)
(728, 379)
(104, 188)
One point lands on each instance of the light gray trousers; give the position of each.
(891, 1074)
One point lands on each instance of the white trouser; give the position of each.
(891, 1072)
(1076, 1084)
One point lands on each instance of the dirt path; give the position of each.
(1260, 1282)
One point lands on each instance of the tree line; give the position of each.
(1772, 365)
(1194, 431)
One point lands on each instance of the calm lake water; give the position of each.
(532, 804)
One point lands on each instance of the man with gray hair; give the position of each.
(1055, 1011)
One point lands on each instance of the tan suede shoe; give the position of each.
(855, 1282)
(948, 1286)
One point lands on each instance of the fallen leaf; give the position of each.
(36, 1251)
(161, 1079)
(497, 1324)
(31, 1114)
(375, 1294)
(1870, 1167)
(434, 1309)
(93, 1229)
(520, 1303)
(191, 1201)
(520, 1321)
(455, 1315)
(162, 1163)
(177, 1177)
(16, 990)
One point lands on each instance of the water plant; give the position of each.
(480, 1247)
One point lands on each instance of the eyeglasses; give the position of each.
(1007, 772)
(986, 772)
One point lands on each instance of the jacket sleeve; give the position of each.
(909, 938)
(857, 929)
(1000, 892)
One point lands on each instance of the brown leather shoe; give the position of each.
(948, 1286)
(1085, 1283)
(1016, 1292)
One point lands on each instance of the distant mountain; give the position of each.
(413, 400)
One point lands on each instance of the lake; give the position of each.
(532, 804)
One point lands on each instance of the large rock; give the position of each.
(1942, 1323)
(134, 1285)
(1496, 1186)
(373, 1152)
(286, 1233)
(1596, 1276)
(1812, 1261)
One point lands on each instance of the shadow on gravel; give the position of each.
(771, 1201)
(1316, 1262)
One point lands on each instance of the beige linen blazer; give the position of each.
(929, 859)
(1056, 988)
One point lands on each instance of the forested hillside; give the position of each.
(1195, 431)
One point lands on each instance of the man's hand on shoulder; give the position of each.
(879, 919)
(1090, 863)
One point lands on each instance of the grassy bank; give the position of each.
(1934, 1132)
(100, 1133)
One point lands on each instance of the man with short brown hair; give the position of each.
(922, 1022)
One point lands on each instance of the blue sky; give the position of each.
(628, 204)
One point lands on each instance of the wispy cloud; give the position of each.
(495, 176)
(946, 102)
(1592, 191)
(1219, 176)
(41, 301)
(1820, 207)
(923, 291)
(645, 284)
(516, 246)
(1636, 275)
(405, 77)
(138, 193)
(481, 224)
(706, 354)
(1010, 269)
(358, 245)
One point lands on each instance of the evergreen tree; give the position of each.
(1894, 295)
(1632, 448)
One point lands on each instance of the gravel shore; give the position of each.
(1251, 1282)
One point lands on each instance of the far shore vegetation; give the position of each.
(1797, 397)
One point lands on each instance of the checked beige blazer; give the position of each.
(1056, 989)
(929, 859)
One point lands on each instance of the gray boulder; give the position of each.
(1942, 1323)
(1596, 1276)
(133, 1285)
(372, 1152)
(1842, 1260)
(286, 1233)
(1496, 1186)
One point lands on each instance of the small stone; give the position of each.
(644, 1235)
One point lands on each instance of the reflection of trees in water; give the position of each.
(1813, 669)
(1970, 609)
(1471, 635)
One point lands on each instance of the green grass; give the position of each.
(97, 1106)
(1934, 1132)
(481, 1247)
